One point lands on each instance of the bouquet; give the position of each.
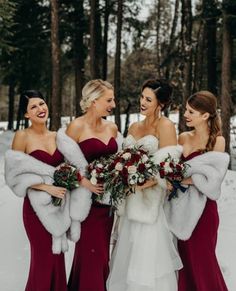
(122, 172)
(173, 170)
(65, 176)
(97, 174)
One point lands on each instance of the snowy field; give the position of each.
(14, 246)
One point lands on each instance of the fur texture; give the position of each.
(207, 172)
(143, 206)
(21, 172)
(80, 203)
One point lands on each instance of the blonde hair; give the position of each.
(205, 101)
(93, 90)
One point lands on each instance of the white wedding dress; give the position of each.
(145, 257)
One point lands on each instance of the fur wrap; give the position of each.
(207, 172)
(21, 172)
(143, 206)
(81, 201)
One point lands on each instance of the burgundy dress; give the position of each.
(201, 271)
(47, 270)
(90, 264)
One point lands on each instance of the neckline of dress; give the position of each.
(101, 141)
(40, 150)
(192, 153)
(137, 140)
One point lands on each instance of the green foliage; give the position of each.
(7, 10)
(29, 39)
(138, 67)
(25, 48)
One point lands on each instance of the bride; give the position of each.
(145, 258)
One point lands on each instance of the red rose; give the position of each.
(171, 165)
(178, 167)
(141, 168)
(129, 163)
(135, 158)
(162, 173)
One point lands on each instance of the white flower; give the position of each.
(133, 179)
(94, 172)
(175, 161)
(93, 180)
(100, 166)
(144, 158)
(119, 166)
(126, 156)
(140, 179)
(167, 168)
(132, 169)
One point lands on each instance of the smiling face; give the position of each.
(194, 117)
(148, 102)
(37, 110)
(105, 104)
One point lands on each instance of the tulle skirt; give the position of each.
(145, 258)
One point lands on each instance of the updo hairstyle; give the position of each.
(93, 90)
(162, 90)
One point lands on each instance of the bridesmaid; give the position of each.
(96, 137)
(201, 271)
(47, 270)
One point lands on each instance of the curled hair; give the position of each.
(205, 101)
(25, 96)
(93, 90)
(162, 90)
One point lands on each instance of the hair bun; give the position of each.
(165, 92)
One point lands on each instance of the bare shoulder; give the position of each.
(111, 124)
(166, 124)
(166, 132)
(133, 128)
(77, 122)
(20, 140)
(184, 136)
(75, 127)
(220, 144)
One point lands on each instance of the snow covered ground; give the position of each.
(14, 246)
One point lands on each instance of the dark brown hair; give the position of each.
(25, 96)
(205, 101)
(162, 90)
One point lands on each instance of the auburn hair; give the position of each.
(205, 101)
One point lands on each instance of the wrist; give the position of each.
(84, 181)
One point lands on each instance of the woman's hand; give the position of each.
(96, 189)
(55, 191)
(147, 184)
(169, 186)
(187, 181)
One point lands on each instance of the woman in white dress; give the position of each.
(145, 257)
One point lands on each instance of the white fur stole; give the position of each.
(143, 206)
(81, 201)
(21, 172)
(207, 172)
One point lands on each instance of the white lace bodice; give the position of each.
(148, 142)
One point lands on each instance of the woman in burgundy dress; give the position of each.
(47, 270)
(201, 271)
(96, 138)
